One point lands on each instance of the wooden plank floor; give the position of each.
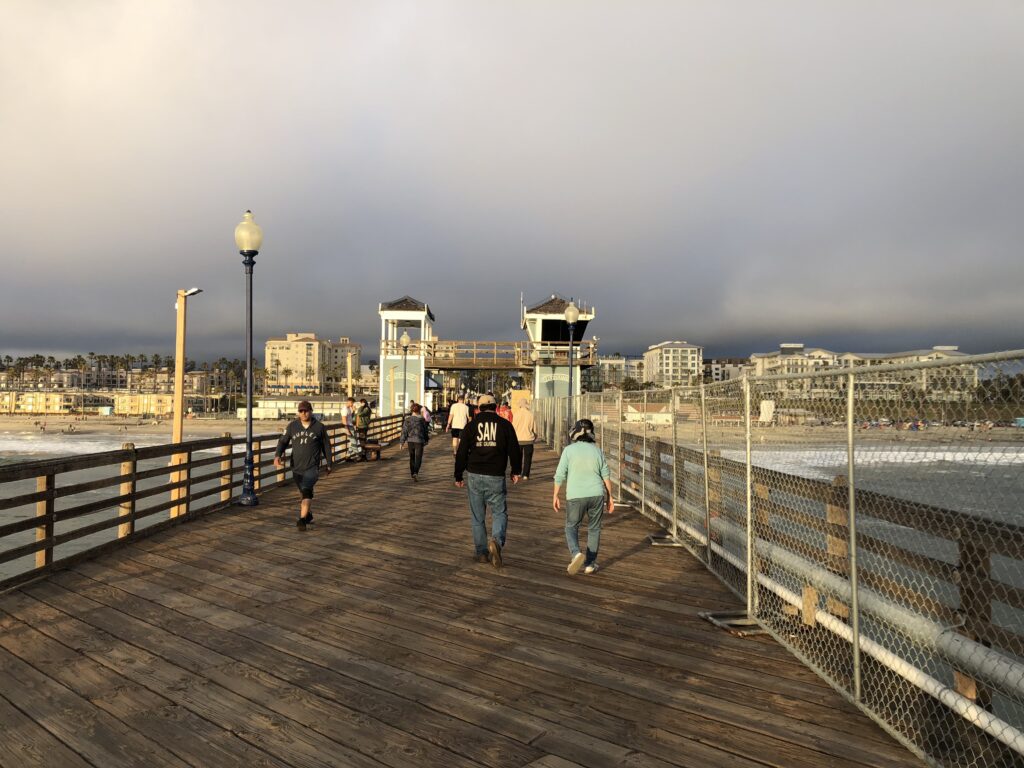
(374, 639)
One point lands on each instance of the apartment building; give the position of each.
(950, 384)
(301, 362)
(610, 372)
(724, 369)
(673, 363)
(796, 358)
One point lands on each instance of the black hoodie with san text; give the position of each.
(487, 445)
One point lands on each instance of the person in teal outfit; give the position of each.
(584, 472)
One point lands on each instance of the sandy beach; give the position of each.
(152, 429)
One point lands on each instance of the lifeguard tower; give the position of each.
(402, 366)
(549, 346)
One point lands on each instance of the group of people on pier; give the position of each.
(489, 446)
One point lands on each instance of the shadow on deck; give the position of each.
(374, 639)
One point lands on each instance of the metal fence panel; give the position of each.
(869, 518)
(799, 504)
(724, 406)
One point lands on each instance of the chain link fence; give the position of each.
(869, 518)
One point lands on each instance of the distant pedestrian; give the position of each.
(414, 434)
(310, 445)
(348, 423)
(588, 491)
(504, 411)
(363, 417)
(458, 418)
(526, 433)
(488, 445)
(427, 415)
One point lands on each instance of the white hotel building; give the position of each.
(673, 364)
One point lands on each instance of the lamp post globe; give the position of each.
(248, 239)
(405, 341)
(572, 316)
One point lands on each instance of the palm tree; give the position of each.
(259, 375)
(287, 372)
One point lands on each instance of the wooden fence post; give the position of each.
(714, 489)
(127, 508)
(227, 472)
(188, 484)
(837, 539)
(976, 606)
(44, 510)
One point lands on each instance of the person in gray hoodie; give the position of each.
(414, 434)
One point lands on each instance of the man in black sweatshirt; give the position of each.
(310, 444)
(486, 446)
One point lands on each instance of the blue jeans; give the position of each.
(487, 491)
(593, 508)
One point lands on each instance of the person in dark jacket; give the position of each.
(310, 445)
(487, 446)
(363, 417)
(414, 434)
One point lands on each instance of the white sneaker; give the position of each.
(576, 563)
(591, 568)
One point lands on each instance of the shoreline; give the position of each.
(111, 426)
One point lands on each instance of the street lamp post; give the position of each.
(405, 341)
(535, 359)
(248, 238)
(178, 426)
(572, 315)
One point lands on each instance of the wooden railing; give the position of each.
(65, 509)
(485, 355)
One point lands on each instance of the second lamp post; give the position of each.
(572, 316)
(405, 341)
(248, 238)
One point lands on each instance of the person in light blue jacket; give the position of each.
(588, 491)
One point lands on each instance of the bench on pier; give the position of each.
(371, 449)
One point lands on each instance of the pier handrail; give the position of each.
(209, 477)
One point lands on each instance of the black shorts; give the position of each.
(305, 481)
(456, 431)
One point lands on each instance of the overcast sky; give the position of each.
(848, 174)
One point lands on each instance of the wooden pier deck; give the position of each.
(373, 639)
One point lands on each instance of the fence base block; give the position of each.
(663, 540)
(734, 622)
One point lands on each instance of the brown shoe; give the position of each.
(482, 558)
(494, 549)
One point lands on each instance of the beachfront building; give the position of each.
(674, 363)
(303, 363)
(160, 405)
(724, 369)
(796, 358)
(948, 384)
(52, 403)
(610, 372)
